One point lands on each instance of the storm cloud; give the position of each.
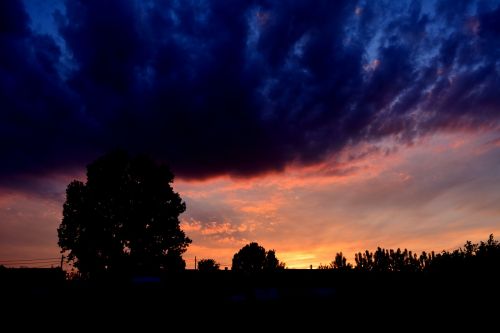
(239, 87)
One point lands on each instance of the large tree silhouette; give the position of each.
(124, 219)
(253, 258)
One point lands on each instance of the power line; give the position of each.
(23, 260)
(55, 264)
(32, 262)
(45, 266)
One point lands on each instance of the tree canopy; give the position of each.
(125, 218)
(253, 258)
(208, 265)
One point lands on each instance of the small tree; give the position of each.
(340, 263)
(125, 218)
(253, 258)
(272, 263)
(208, 265)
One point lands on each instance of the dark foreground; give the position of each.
(315, 298)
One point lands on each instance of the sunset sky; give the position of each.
(311, 127)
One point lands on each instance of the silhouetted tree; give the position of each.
(208, 265)
(481, 257)
(125, 218)
(272, 263)
(364, 261)
(253, 258)
(339, 263)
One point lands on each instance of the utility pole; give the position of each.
(62, 259)
(194, 262)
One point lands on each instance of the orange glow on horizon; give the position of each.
(422, 196)
(281, 210)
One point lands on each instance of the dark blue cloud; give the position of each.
(238, 87)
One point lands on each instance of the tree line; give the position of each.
(125, 220)
(481, 256)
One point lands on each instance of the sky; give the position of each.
(311, 127)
